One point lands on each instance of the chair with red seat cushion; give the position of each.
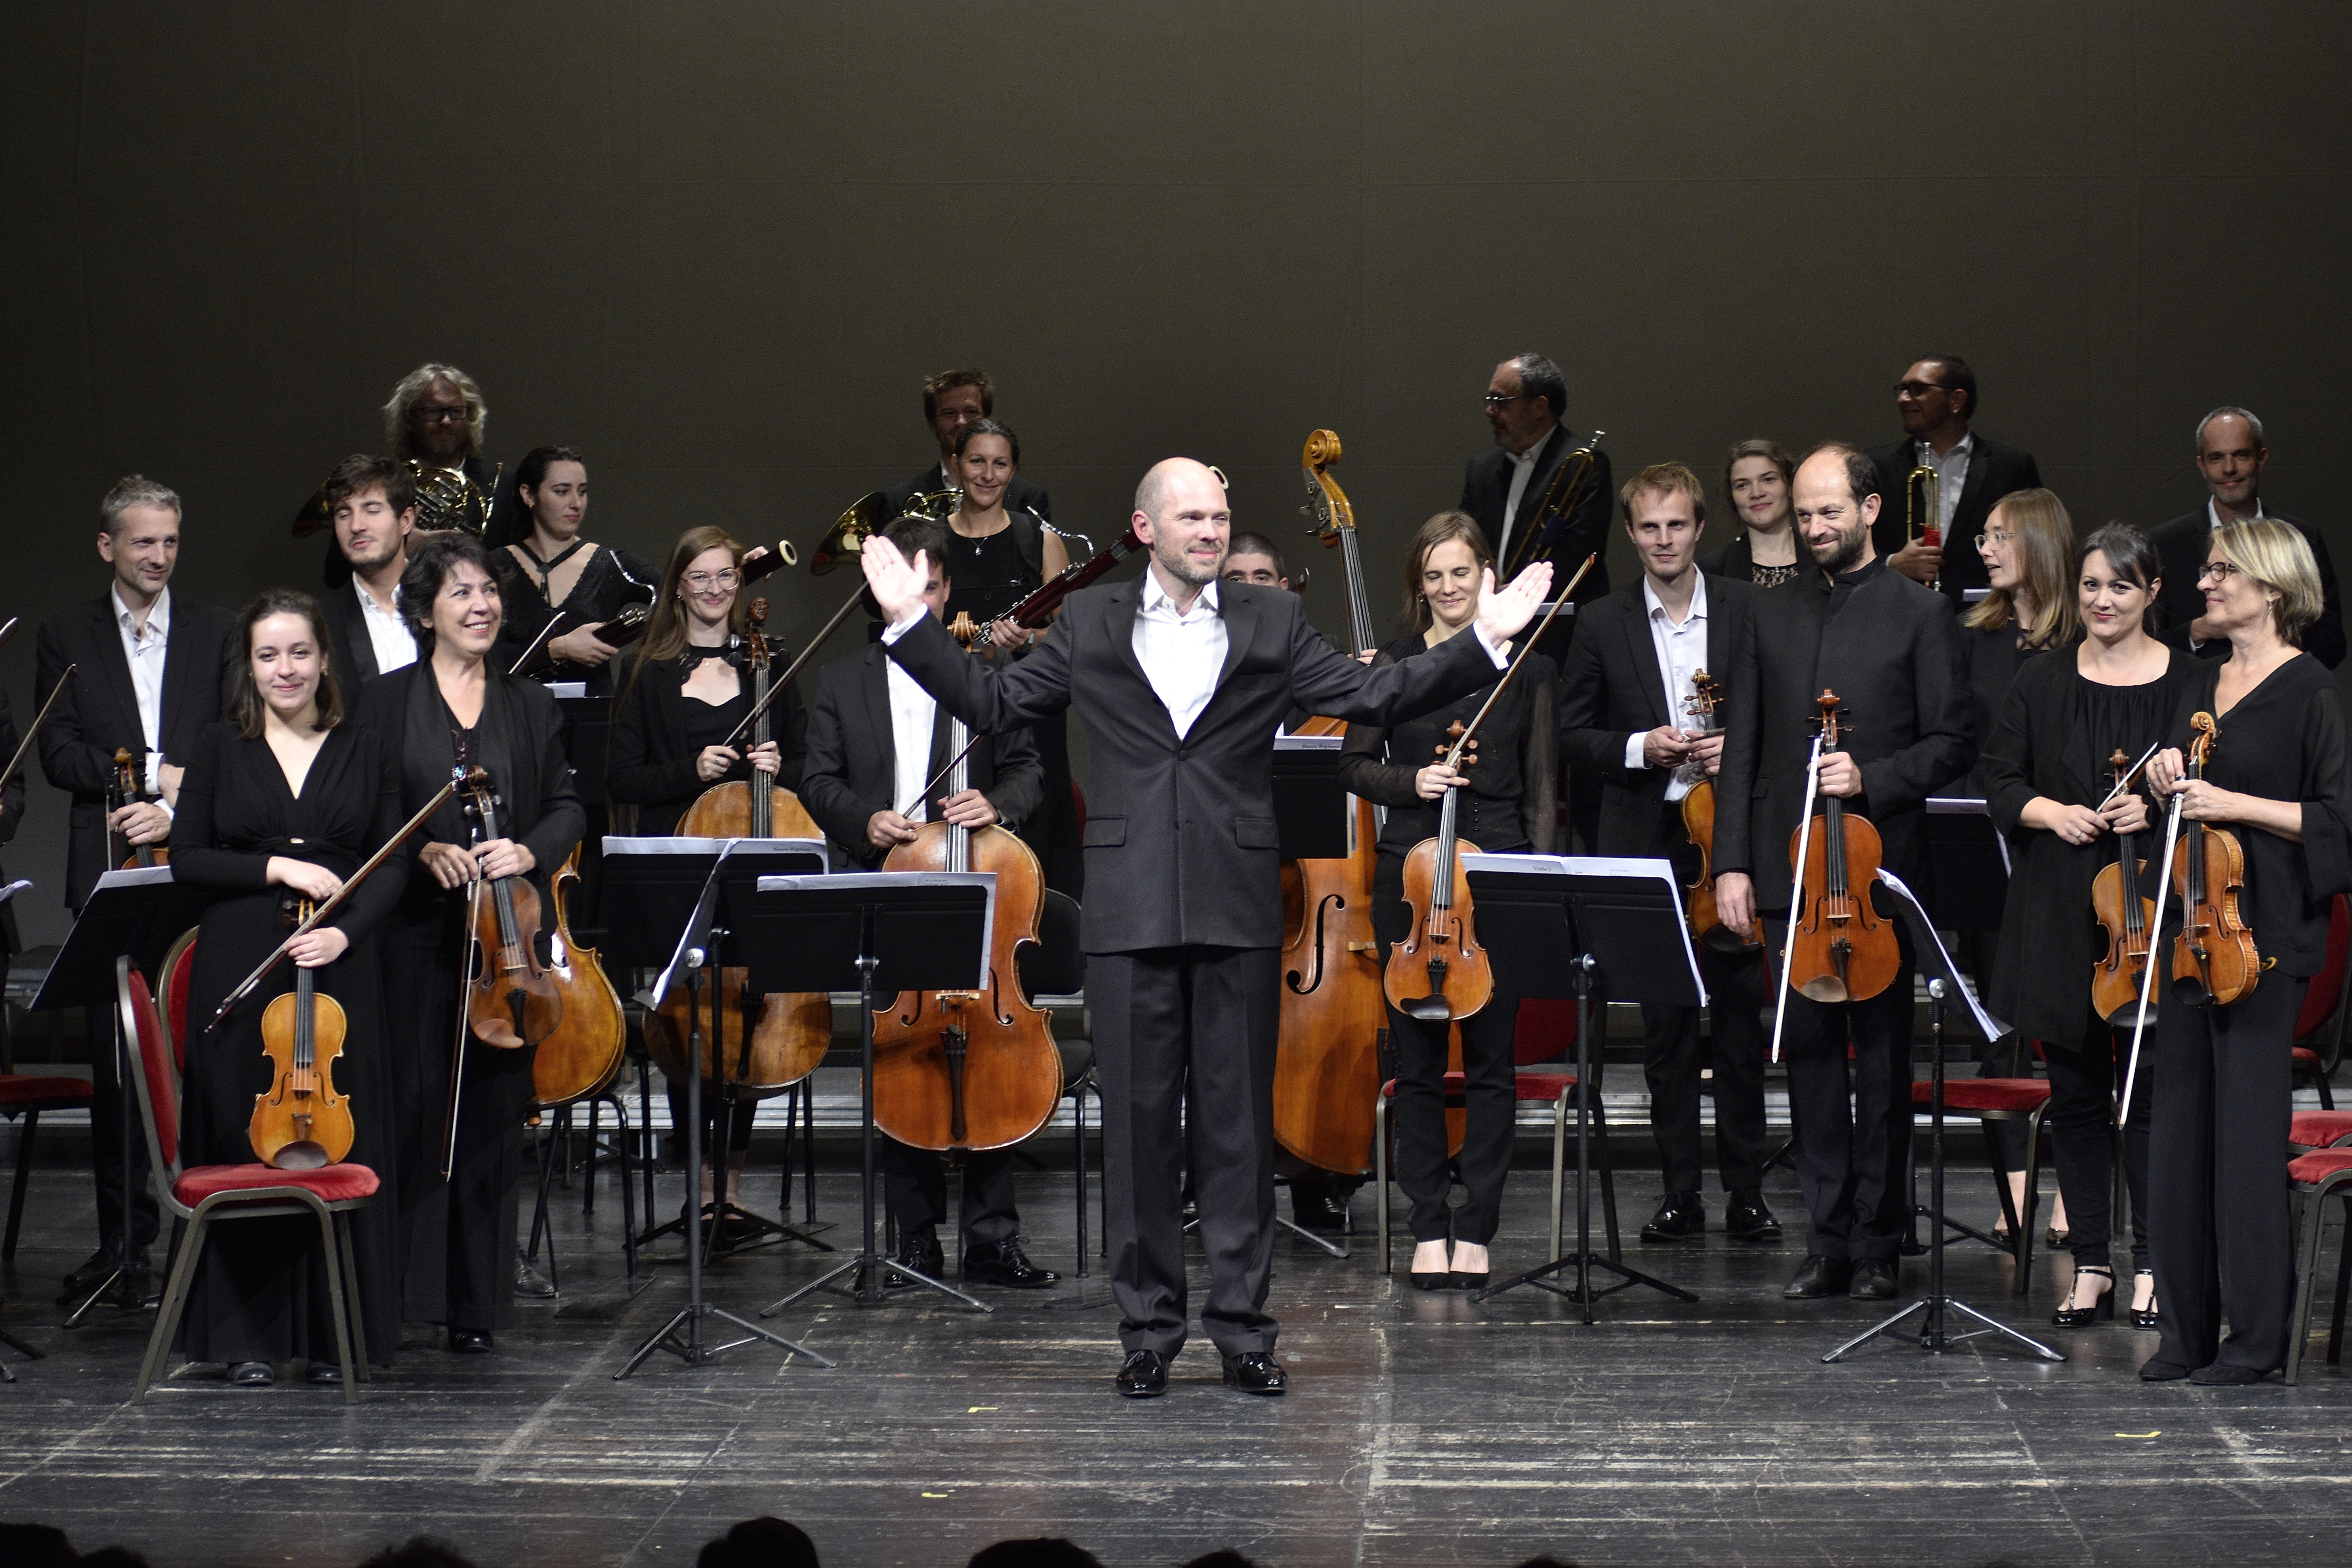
(179, 963)
(2324, 1010)
(2312, 1130)
(1545, 1030)
(2025, 1100)
(2317, 1176)
(204, 1195)
(26, 1095)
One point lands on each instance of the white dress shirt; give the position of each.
(394, 644)
(912, 714)
(1523, 473)
(1682, 653)
(2217, 522)
(144, 651)
(1951, 475)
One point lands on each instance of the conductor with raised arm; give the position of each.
(1182, 681)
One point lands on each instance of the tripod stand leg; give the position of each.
(1992, 1325)
(1884, 1326)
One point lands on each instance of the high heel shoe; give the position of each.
(2102, 1310)
(2145, 1318)
(1464, 1280)
(1436, 1280)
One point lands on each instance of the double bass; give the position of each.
(2214, 960)
(300, 1122)
(960, 1070)
(780, 1038)
(1840, 948)
(1698, 826)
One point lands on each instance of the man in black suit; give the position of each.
(1935, 400)
(1627, 717)
(2231, 457)
(1182, 680)
(875, 740)
(951, 400)
(1891, 650)
(1502, 488)
(373, 501)
(148, 673)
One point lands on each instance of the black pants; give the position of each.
(714, 1110)
(2084, 1083)
(1851, 1157)
(2218, 1221)
(915, 1185)
(109, 1102)
(1163, 1017)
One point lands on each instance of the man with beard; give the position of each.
(1890, 650)
(373, 501)
(434, 418)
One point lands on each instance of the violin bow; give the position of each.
(940, 778)
(7, 631)
(1797, 886)
(777, 684)
(457, 1046)
(1453, 757)
(2155, 945)
(2125, 783)
(516, 669)
(24, 747)
(329, 906)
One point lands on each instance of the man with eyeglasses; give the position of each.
(951, 400)
(436, 418)
(1503, 489)
(1936, 399)
(2230, 459)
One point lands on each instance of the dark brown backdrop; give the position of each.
(717, 245)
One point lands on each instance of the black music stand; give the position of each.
(138, 912)
(880, 932)
(1598, 929)
(672, 884)
(1314, 817)
(7, 894)
(1943, 981)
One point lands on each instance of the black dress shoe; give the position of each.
(2159, 1369)
(1004, 1263)
(529, 1281)
(328, 1373)
(1455, 1280)
(251, 1374)
(1319, 1209)
(1255, 1372)
(1681, 1217)
(2220, 1374)
(1143, 1375)
(1820, 1277)
(918, 1251)
(470, 1342)
(1745, 1218)
(1872, 1280)
(93, 1271)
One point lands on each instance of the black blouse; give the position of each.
(659, 731)
(611, 581)
(988, 576)
(1993, 658)
(1510, 801)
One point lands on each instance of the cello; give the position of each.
(2126, 915)
(585, 1052)
(1840, 948)
(783, 1035)
(1698, 826)
(960, 1070)
(2214, 960)
(301, 1123)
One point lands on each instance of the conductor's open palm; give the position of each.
(1503, 610)
(898, 583)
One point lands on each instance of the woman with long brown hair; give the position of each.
(1765, 550)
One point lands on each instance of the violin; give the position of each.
(1441, 946)
(2215, 960)
(511, 999)
(584, 1053)
(301, 1123)
(1840, 948)
(130, 788)
(1326, 1072)
(2126, 915)
(1698, 826)
(958, 1070)
(781, 1036)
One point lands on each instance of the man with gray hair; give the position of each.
(149, 675)
(1502, 490)
(2231, 457)
(434, 418)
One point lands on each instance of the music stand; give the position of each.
(138, 913)
(1943, 980)
(877, 932)
(672, 885)
(1598, 929)
(7, 894)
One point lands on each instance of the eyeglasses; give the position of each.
(1991, 538)
(1496, 399)
(423, 415)
(1917, 388)
(699, 580)
(2218, 570)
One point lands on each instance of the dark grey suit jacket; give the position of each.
(851, 769)
(2182, 545)
(100, 714)
(1180, 840)
(1994, 471)
(1611, 689)
(1486, 486)
(349, 645)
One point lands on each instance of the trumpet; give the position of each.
(1922, 488)
(1568, 483)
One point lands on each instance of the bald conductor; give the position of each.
(1182, 682)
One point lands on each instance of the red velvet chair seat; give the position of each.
(2318, 1129)
(18, 1092)
(334, 1184)
(2310, 1170)
(1974, 1096)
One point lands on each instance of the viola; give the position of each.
(2127, 916)
(583, 1055)
(2214, 960)
(1840, 948)
(958, 1070)
(511, 999)
(1441, 949)
(130, 788)
(1698, 826)
(301, 1122)
(781, 1036)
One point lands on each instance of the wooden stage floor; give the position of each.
(1420, 1429)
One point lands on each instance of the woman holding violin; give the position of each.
(552, 569)
(280, 802)
(2273, 780)
(454, 709)
(1507, 805)
(2051, 786)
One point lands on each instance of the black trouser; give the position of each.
(110, 1104)
(915, 1185)
(1163, 1017)
(2218, 1222)
(2084, 1083)
(1851, 1156)
(1670, 1057)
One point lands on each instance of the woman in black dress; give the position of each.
(452, 709)
(1507, 804)
(2045, 770)
(552, 568)
(286, 799)
(1755, 490)
(2224, 1076)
